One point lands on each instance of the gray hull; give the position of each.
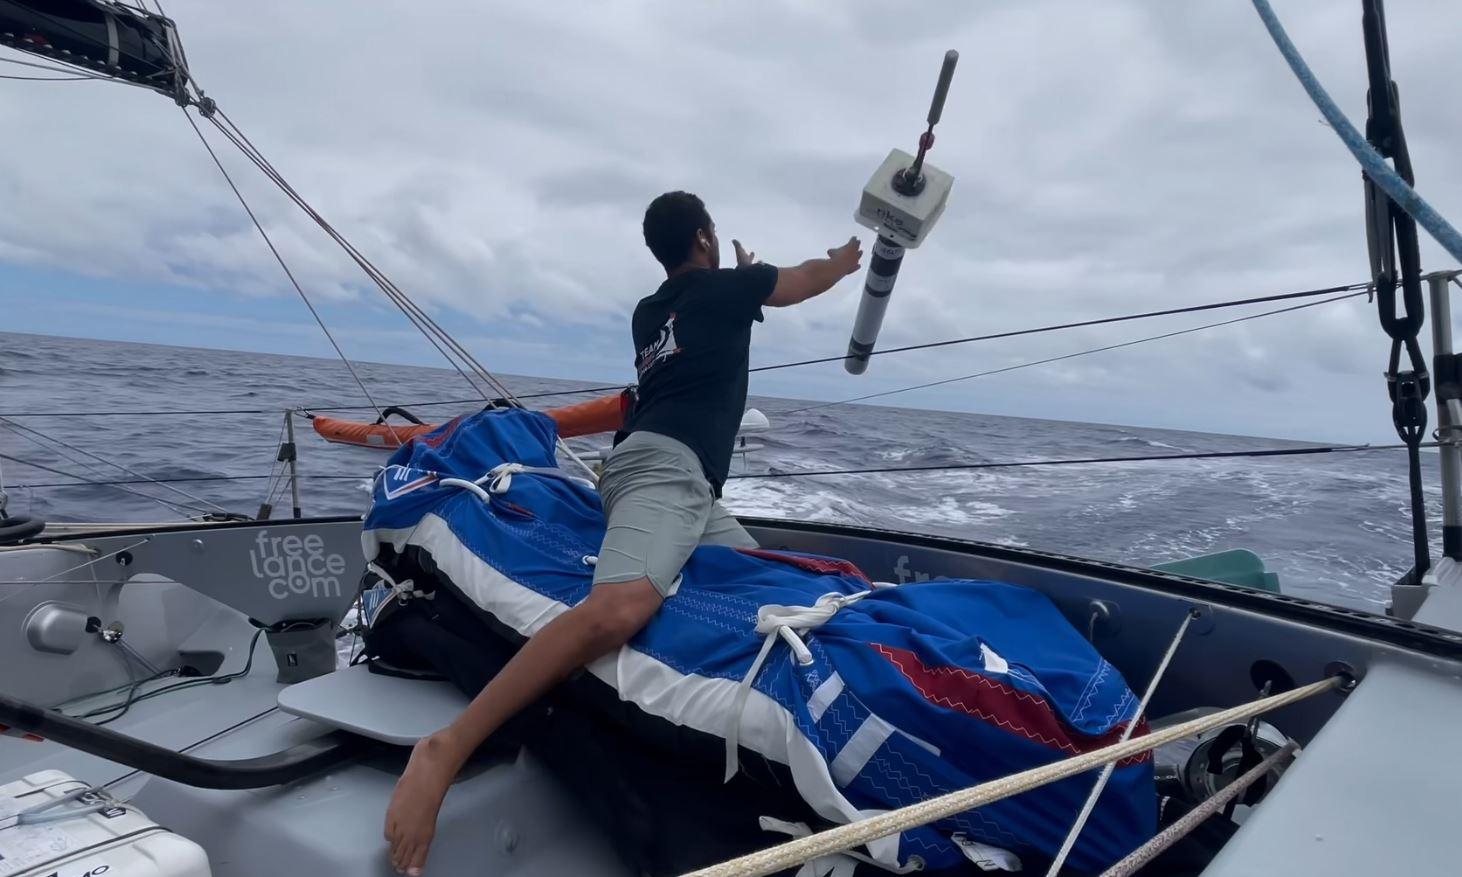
(187, 594)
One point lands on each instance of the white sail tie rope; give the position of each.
(404, 589)
(1106, 774)
(843, 864)
(1193, 818)
(786, 622)
(471, 486)
(855, 834)
(500, 479)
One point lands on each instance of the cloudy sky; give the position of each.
(495, 160)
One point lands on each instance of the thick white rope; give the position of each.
(854, 834)
(1192, 819)
(1101, 783)
(787, 622)
(50, 546)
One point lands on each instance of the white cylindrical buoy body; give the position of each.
(883, 270)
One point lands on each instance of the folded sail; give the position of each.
(882, 698)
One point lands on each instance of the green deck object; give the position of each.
(1238, 566)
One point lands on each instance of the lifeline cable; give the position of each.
(332, 406)
(95, 471)
(1087, 352)
(98, 458)
(853, 834)
(1083, 461)
(952, 467)
(1016, 333)
(1353, 288)
(82, 481)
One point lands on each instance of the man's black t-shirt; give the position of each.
(692, 339)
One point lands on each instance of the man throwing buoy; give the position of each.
(661, 485)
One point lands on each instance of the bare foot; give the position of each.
(411, 817)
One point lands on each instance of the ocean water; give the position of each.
(1334, 527)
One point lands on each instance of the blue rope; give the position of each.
(1370, 161)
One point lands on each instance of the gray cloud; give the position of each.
(1110, 157)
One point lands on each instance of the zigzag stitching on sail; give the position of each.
(998, 721)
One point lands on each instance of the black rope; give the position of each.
(1202, 455)
(955, 467)
(1391, 243)
(198, 478)
(1065, 356)
(68, 69)
(275, 410)
(1308, 293)
(48, 78)
(135, 413)
(544, 395)
(83, 481)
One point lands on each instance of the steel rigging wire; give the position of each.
(1350, 290)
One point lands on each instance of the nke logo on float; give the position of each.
(295, 565)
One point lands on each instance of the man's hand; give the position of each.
(847, 258)
(815, 276)
(743, 258)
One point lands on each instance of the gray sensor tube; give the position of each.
(883, 270)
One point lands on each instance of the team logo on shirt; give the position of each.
(662, 348)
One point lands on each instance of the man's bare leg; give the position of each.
(607, 619)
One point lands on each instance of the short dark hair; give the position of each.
(671, 223)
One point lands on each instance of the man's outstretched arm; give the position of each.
(607, 619)
(815, 276)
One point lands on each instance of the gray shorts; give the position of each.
(659, 507)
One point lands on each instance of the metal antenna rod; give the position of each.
(911, 181)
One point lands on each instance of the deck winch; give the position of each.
(901, 203)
